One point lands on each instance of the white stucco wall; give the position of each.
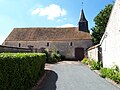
(93, 53)
(110, 42)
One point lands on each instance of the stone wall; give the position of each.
(66, 48)
(13, 49)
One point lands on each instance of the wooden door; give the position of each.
(79, 53)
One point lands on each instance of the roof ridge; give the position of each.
(43, 27)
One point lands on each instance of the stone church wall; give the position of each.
(66, 48)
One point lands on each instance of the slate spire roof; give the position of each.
(82, 16)
(83, 23)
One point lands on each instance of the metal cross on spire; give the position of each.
(82, 4)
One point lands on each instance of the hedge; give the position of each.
(20, 71)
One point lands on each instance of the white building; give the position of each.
(93, 52)
(110, 43)
(109, 46)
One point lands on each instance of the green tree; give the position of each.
(100, 23)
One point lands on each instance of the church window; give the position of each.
(71, 44)
(47, 44)
(19, 44)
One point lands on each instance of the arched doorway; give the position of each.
(79, 53)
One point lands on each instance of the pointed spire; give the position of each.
(83, 23)
(82, 17)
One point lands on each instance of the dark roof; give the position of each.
(82, 16)
(47, 34)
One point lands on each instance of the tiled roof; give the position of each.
(47, 34)
(93, 47)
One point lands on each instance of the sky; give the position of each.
(46, 13)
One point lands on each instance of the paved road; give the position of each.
(74, 76)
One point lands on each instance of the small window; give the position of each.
(19, 45)
(71, 43)
(47, 44)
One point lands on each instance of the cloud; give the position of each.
(67, 25)
(59, 20)
(52, 11)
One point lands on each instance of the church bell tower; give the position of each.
(83, 23)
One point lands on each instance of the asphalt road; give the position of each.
(71, 75)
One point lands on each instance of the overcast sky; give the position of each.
(46, 13)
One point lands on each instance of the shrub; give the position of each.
(53, 56)
(112, 73)
(103, 72)
(92, 63)
(95, 65)
(117, 79)
(85, 61)
(62, 57)
(115, 68)
(20, 71)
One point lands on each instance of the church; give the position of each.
(71, 42)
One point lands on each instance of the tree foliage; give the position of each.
(100, 23)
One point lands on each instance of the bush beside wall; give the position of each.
(20, 71)
(113, 73)
(94, 65)
(53, 56)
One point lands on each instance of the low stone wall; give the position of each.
(13, 49)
